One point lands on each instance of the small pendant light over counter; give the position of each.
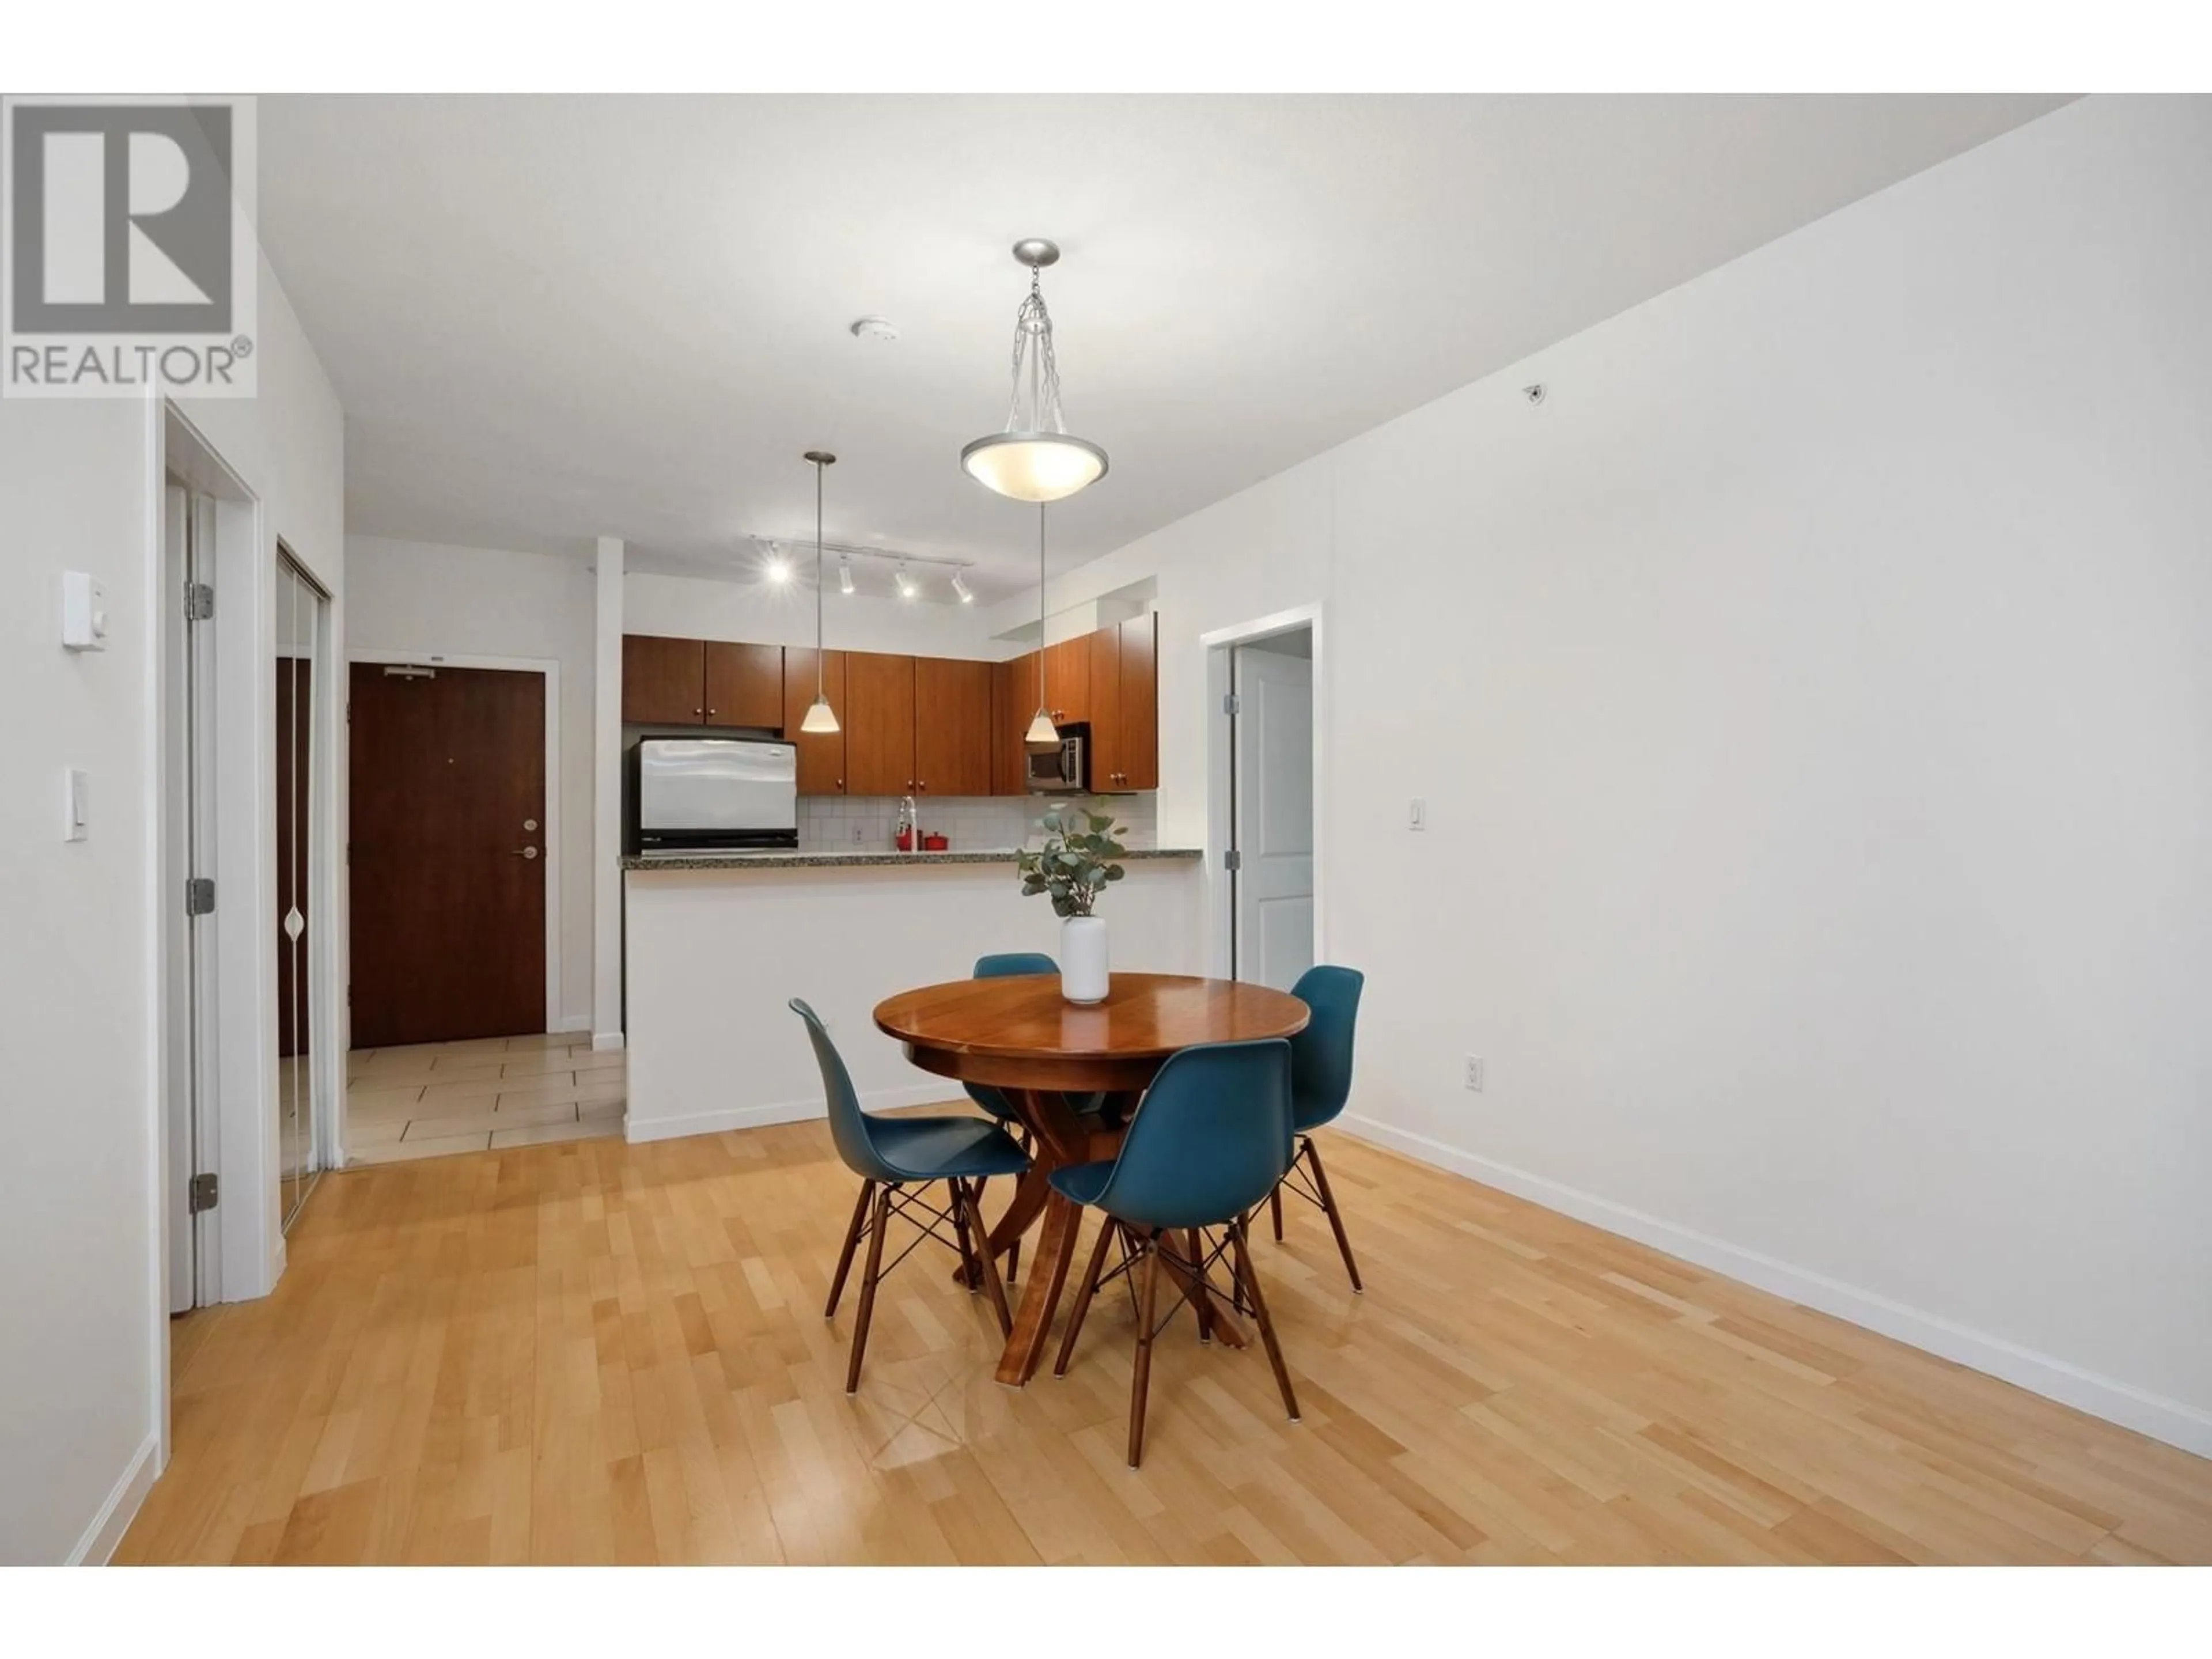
(1042, 737)
(821, 719)
(1036, 459)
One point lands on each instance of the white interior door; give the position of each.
(1273, 814)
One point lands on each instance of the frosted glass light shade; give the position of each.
(1034, 467)
(821, 719)
(1043, 736)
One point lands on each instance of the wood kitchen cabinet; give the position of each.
(1068, 680)
(1125, 716)
(878, 717)
(912, 725)
(744, 685)
(952, 726)
(821, 755)
(672, 682)
(1138, 643)
(1013, 701)
(1107, 761)
(664, 681)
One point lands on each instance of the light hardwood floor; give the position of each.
(430, 1099)
(602, 1352)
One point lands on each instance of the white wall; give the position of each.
(82, 1296)
(473, 601)
(1812, 702)
(693, 607)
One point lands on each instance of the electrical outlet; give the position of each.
(860, 834)
(1475, 1072)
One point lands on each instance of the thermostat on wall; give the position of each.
(84, 612)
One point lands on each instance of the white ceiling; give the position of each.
(552, 319)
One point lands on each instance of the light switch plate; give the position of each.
(76, 811)
(84, 611)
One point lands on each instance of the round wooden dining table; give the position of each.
(1020, 1036)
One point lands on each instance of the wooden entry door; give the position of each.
(447, 865)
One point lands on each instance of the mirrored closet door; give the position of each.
(302, 684)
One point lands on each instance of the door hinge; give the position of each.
(201, 1193)
(199, 896)
(1230, 705)
(1232, 859)
(199, 602)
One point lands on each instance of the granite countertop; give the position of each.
(787, 859)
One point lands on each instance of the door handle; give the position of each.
(526, 851)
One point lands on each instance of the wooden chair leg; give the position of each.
(956, 1202)
(868, 1278)
(1312, 1154)
(1013, 1261)
(1147, 1301)
(986, 1264)
(1259, 1317)
(845, 1256)
(1201, 1303)
(1275, 1211)
(1088, 1289)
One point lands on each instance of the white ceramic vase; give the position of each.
(1084, 974)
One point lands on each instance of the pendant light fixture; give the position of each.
(1042, 737)
(821, 719)
(1035, 458)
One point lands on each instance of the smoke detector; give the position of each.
(878, 329)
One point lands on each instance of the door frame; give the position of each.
(1220, 778)
(554, 851)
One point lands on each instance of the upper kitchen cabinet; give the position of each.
(1138, 643)
(670, 682)
(879, 716)
(1013, 701)
(821, 754)
(1125, 716)
(664, 681)
(1068, 680)
(744, 685)
(1107, 762)
(952, 747)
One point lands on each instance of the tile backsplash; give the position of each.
(842, 824)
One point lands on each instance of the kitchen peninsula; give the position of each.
(716, 944)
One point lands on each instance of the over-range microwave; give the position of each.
(1065, 770)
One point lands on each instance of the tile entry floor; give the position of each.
(434, 1098)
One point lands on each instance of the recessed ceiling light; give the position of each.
(779, 565)
(878, 329)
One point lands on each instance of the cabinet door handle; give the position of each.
(698, 711)
(711, 712)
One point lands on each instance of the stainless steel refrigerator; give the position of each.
(692, 795)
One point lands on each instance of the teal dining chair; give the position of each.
(1320, 1084)
(898, 1159)
(1210, 1140)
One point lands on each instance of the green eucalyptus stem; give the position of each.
(1075, 864)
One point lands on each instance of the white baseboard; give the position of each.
(606, 1039)
(116, 1514)
(2170, 1420)
(783, 1111)
(574, 1022)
